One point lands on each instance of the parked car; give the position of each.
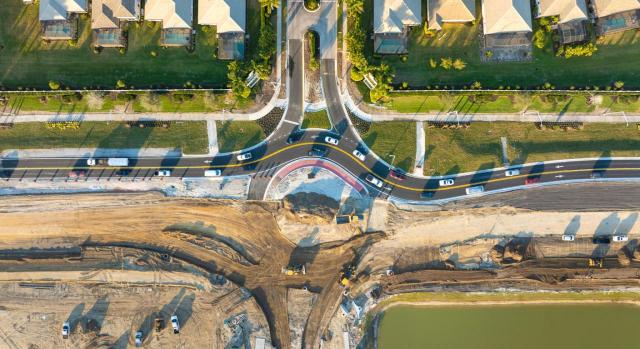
(175, 324)
(138, 339)
(373, 180)
(620, 238)
(512, 172)
(244, 157)
(397, 174)
(77, 174)
(359, 155)
(213, 173)
(331, 140)
(532, 180)
(66, 328)
(597, 174)
(446, 182)
(162, 173)
(567, 237)
(477, 189)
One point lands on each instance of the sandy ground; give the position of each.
(220, 188)
(310, 232)
(299, 304)
(106, 307)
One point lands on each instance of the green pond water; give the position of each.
(614, 326)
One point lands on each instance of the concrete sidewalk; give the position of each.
(421, 143)
(530, 116)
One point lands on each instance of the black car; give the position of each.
(318, 152)
(123, 172)
(294, 137)
(427, 194)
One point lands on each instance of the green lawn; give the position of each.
(26, 61)
(393, 138)
(615, 60)
(189, 136)
(172, 103)
(318, 119)
(237, 135)
(415, 102)
(478, 147)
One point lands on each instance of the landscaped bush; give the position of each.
(356, 75)
(311, 4)
(580, 50)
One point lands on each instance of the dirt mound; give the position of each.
(515, 251)
(311, 207)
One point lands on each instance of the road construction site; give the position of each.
(238, 272)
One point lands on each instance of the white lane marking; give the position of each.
(291, 122)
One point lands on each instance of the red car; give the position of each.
(397, 175)
(532, 180)
(77, 174)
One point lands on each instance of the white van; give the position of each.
(476, 189)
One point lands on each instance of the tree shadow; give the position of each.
(98, 311)
(573, 226)
(75, 316)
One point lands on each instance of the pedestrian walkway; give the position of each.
(212, 134)
(531, 116)
(418, 168)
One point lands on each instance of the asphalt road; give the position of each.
(289, 143)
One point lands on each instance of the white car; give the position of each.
(91, 162)
(620, 238)
(373, 180)
(475, 189)
(446, 182)
(175, 324)
(568, 237)
(243, 157)
(512, 172)
(66, 328)
(358, 154)
(331, 140)
(138, 339)
(163, 173)
(213, 173)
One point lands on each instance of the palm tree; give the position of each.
(356, 7)
(269, 5)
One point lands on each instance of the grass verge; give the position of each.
(450, 151)
(237, 135)
(190, 136)
(393, 139)
(318, 119)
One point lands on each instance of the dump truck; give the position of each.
(113, 162)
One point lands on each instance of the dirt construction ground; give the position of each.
(239, 240)
(110, 264)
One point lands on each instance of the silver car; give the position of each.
(512, 172)
(477, 189)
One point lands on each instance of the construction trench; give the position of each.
(111, 264)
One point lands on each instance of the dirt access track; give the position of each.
(239, 240)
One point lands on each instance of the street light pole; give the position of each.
(392, 159)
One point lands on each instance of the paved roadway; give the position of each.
(269, 156)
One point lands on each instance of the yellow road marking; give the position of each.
(355, 159)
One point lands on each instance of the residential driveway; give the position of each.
(324, 21)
